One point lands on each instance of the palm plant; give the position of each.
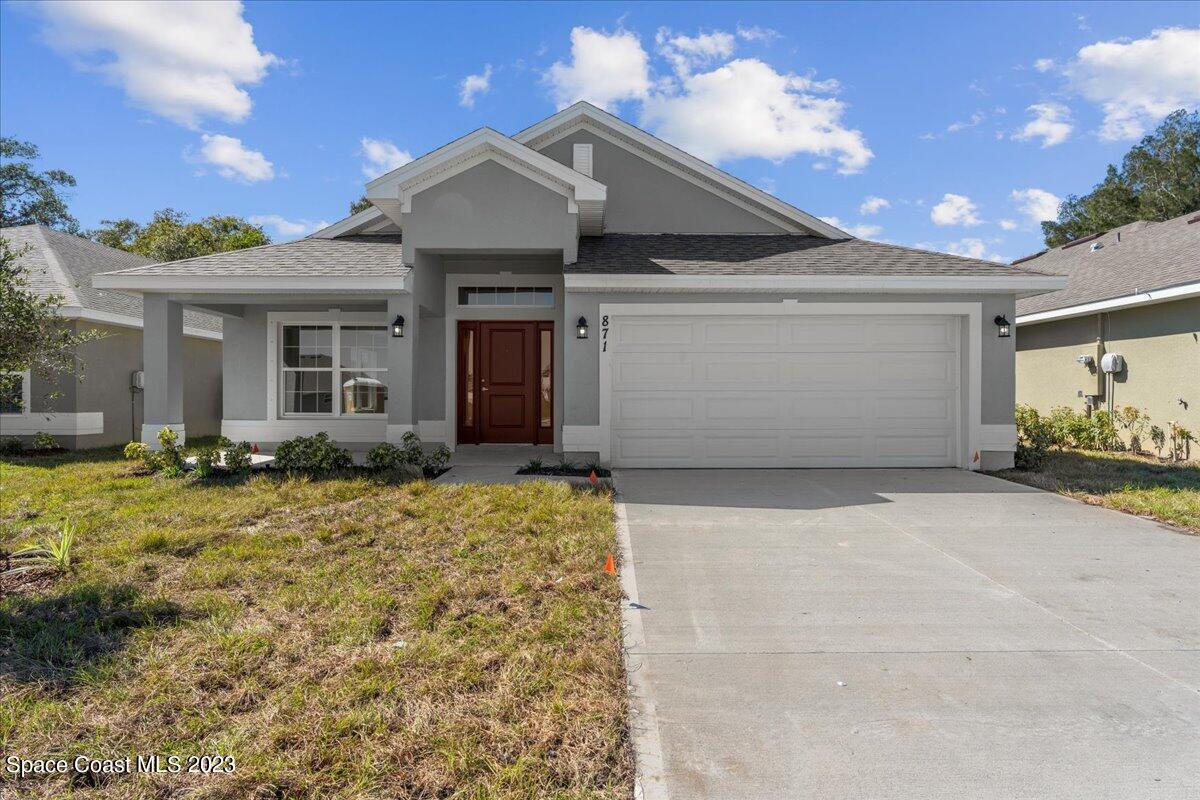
(53, 552)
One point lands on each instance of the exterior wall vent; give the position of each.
(581, 159)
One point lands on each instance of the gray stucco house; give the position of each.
(95, 406)
(585, 284)
(1133, 291)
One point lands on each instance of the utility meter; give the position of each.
(1112, 362)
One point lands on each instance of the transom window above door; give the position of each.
(507, 296)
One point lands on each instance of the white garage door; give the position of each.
(784, 391)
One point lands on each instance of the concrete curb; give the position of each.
(650, 779)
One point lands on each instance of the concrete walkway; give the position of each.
(906, 634)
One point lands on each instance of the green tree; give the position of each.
(29, 197)
(34, 338)
(1159, 179)
(169, 236)
(361, 204)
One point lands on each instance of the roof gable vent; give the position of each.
(581, 159)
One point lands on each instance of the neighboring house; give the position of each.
(1133, 291)
(586, 285)
(97, 406)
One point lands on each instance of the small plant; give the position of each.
(206, 461)
(314, 454)
(1181, 439)
(1134, 422)
(1035, 435)
(237, 456)
(11, 446)
(136, 451)
(387, 456)
(169, 456)
(43, 441)
(593, 466)
(1103, 432)
(435, 461)
(1159, 437)
(534, 466)
(54, 552)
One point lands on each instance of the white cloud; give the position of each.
(955, 209)
(382, 156)
(1036, 204)
(754, 33)
(1044, 64)
(286, 228)
(686, 53)
(604, 70)
(976, 118)
(745, 108)
(1051, 123)
(473, 85)
(234, 160)
(182, 60)
(862, 230)
(972, 248)
(1139, 82)
(873, 205)
(1008, 224)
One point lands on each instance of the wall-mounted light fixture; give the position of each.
(398, 327)
(581, 328)
(1002, 323)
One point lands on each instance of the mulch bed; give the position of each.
(569, 471)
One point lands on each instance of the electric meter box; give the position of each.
(1112, 362)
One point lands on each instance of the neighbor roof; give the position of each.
(63, 264)
(353, 256)
(1135, 258)
(767, 254)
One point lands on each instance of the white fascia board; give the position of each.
(126, 321)
(817, 283)
(350, 224)
(269, 284)
(564, 122)
(1181, 292)
(435, 167)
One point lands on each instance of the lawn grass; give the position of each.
(261, 619)
(1122, 481)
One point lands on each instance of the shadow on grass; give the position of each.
(1102, 473)
(114, 452)
(57, 638)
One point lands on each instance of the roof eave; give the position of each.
(264, 284)
(1180, 292)
(1020, 286)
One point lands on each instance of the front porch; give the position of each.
(464, 350)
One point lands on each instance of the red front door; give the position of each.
(504, 382)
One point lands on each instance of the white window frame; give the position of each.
(25, 398)
(508, 285)
(334, 319)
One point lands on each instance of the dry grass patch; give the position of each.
(262, 619)
(1122, 481)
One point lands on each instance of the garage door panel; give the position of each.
(785, 391)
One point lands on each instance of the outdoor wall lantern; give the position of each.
(398, 327)
(581, 328)
(1002, 323)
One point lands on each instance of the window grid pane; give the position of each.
(311, 380)
(525, 296)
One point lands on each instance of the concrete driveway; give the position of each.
(906, 634)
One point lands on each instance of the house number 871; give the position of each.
(604, 334)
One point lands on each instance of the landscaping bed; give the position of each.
(339, 637)
(564, 469)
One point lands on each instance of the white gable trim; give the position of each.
(585, 196)
(1182, 292)
(351, 224)
(677, 162)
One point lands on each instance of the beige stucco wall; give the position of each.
(1161, 346)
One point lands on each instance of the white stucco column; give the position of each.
(402, 416)
(162, 362)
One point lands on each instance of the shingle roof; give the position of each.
(362, 256)
(1136, 257)
(63, 264)
(731, 254)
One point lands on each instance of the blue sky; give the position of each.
(964, 121)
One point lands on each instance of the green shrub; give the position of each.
(136, 451)
(436, 460)
(387, 456)
(206, 461)
(1034, 438)
(1134, 422)
(237, 457)
(11, 446)
(1181, 439)
(44, 441)
(314, 454)
(169, 456)
(1159, 437)
(1103, 431)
